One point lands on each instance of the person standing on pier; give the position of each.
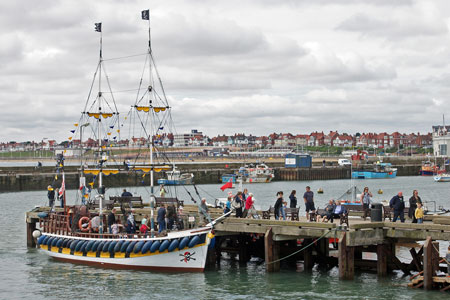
(366, 199)
(308, 197)
(293, 198)
(277, 206)
(51, 196)
(203, 212)
(161, 218)
(398, 205)
(413, 201)
(238, 203)
(248, 204)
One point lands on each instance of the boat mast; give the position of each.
(146, 15)
(100, 152)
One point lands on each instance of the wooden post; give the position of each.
(30, 240)
(271, 251)
(243, 251)
(346, 259)
(382, 266)
(428, 264)
(307, 255)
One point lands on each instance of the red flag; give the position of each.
(62, 188)
(227, 185)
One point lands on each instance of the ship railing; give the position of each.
(56, 224)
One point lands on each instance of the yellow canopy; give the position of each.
(147, 108)
(156, 168)
(96, 172)
(97, 115)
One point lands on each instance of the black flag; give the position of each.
(98, 27)
(145, 15)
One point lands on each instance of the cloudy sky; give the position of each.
(232, 66)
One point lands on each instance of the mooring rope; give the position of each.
(298, 251)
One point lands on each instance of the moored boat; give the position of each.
(428, 169)
(251, 173)
(175, 177)
(442, 177)
(381, 170)
(70, 235)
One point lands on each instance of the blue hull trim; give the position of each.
(173, 182)
(373, 175)
(426, 173)
(226, 178)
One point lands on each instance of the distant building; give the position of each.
(441, 140)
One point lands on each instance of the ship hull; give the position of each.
(373, 175)
(188, 259)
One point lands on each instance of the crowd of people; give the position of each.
(334, 209)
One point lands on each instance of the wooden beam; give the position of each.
(416, 259)
(428, 264)
(271, 251)
(346, 259)
(30, 240)
(307, 255)
(382, 261)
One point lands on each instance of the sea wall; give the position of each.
(28, 178)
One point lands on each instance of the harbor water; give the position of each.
(27, 274)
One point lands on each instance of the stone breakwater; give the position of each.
(29, 178)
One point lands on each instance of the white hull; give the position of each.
(442, 177)
(191, 259)
(258, 179)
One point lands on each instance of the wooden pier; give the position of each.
(328, 245)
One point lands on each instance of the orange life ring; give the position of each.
(82, 221)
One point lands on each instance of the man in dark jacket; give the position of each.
(161, 218)
(111, 219)
(398, 205)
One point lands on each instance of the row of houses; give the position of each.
(241, 140)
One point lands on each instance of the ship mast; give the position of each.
(101, 190)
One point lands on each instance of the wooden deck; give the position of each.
(272, 239)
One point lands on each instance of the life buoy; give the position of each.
(82, 221)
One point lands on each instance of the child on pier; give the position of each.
(419, 213)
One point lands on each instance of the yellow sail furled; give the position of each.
(156, 168)
(158, 109)
(91, 171)
(97, 115)
(105, 171)
(110, 171)
(143, 108)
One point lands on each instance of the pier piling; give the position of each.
(346, 257)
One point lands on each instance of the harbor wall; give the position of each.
(14, 179)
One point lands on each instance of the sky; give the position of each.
(235, 66)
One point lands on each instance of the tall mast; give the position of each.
(99, 120)
(147, 15)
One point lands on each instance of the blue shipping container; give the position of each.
(293, 160)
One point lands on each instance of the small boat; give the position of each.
(252, 173)
(428, 169)
(320, 191)
(442, 177)
(175, 177)
(381, 170)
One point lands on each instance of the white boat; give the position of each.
(64, 237)
(251, 173)
(443, 177)
(175, 177)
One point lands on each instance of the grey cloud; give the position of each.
(389, 27)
